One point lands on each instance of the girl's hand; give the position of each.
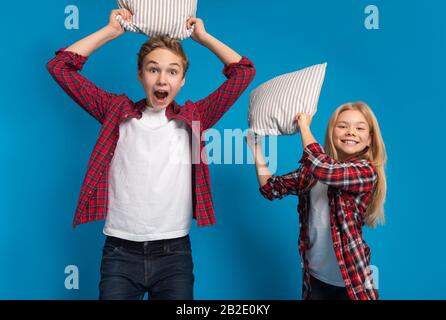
(114, 24)
(199, 32)
(303, 120)
(253, 140)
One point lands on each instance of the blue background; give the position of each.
(46, 141)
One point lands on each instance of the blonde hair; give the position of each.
(376, 154)
(163, 42)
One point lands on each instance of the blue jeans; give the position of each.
(163, 268)
(324, 291)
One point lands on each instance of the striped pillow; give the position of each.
(159, 17)
(274, 104)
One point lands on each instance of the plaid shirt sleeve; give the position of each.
(64, 69)
(293, 183)
(357, 176)
(239, 75)
(279, 186)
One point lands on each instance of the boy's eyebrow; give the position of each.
(171, 64)
(152, 61)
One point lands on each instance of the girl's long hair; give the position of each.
(376, 154)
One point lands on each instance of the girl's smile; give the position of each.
(351, 134)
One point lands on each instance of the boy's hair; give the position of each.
(163, 42)
(376, 154)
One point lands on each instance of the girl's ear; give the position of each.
(369, 142)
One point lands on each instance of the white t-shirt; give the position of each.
(323, 264)
(150, 179)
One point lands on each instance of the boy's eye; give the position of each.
(152, 70)
(173, 72)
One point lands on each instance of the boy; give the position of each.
(140, 176)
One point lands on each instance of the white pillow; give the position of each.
(274, 104)
(159, 17)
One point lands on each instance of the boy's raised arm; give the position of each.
(112, 30)
(238, 70)
(65, 66)
(222, 51)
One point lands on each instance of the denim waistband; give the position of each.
(144, 245)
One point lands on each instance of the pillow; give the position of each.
(274, 104)
(159, 17)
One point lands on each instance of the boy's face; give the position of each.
(351, 134)
(162, 77)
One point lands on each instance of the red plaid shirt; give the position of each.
(112, 109)
(350, 191)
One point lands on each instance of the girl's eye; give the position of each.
(361, 128)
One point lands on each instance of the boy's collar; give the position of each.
(173, 107)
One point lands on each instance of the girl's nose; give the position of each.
(350, 131)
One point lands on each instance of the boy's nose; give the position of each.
(161, 78)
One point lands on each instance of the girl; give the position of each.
(339, 189)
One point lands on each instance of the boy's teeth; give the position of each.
(161, 94)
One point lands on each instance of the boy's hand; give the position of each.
(303, 120)
(114, 25)
(199, 32)
(222, 51)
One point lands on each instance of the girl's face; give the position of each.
(351, 134)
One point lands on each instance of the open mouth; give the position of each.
(349, 142)
(161, 96)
